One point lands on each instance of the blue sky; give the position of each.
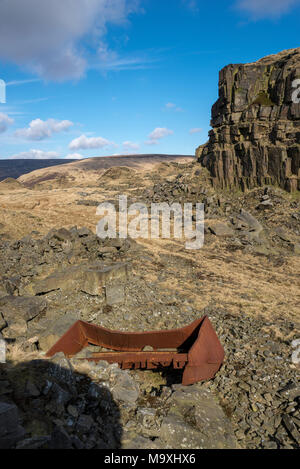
(102, 77)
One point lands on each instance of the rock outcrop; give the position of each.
(255, 138)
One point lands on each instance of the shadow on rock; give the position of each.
(170, 375)
(47, 405)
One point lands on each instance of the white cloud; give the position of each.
(266, 8)
(74, 156)
(195, 131)
(131, 146)
(173, 107)
(160, 132)
(47, 39)
(35, 155)
(157, 134)
(39, 129)
(5, 122)
(85, 143)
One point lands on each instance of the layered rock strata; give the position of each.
(255, 139)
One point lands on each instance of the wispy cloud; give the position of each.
(12, 110)
(256, 9)
(5, 122)
(32, 101)
(130, 146)
(192, 5)
(109, 60)
(35, 155)
(173, 107)
(22, 82)
(259, 9)
(74, 156)
(196, 130)
(122, 64)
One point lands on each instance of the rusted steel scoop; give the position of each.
(194, 348)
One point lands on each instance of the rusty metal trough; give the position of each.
(195, 348)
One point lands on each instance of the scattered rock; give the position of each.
(10, 430)
(37, 442)
(115, 294)
(84, 423)
(60, 439)
(221, 229)
(264, 205)
(89, 279)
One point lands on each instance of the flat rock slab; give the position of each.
(86, 278)
(14, 308)
(220, 229)
(196, 420)
(52, 330)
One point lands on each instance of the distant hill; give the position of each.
(88, 170)
(15, 168)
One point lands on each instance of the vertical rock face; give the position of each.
(255, 138)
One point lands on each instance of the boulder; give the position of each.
(86, 278)
(220, 229)
(17, 310)
(51, 330)
(249, 221)
(124, 388)
(16, 329)
(196, 420)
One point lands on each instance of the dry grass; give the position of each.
(239, 282)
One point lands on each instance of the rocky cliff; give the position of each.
(255, 138)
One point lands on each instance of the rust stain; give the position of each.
(195, 348)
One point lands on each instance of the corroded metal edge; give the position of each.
(196, 348)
